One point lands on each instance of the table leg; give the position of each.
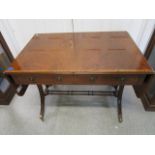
(119, 92)
(115, 87)
(119, 102)
(42, 97)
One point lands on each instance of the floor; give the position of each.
(75, 115)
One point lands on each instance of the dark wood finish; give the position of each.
(78, 79)
(5, 98)
(143, 90)
(20, 89)
(119, 102)
(150, 46)
(117, 92)
(96, 58)
(42, 98)
(6, 47)
(7, 95)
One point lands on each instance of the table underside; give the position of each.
(45, 81)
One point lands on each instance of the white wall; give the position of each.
(19, 32)
(23, 30)
(8, 35)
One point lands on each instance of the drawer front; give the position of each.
(78, 79)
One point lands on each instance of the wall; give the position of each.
(136, 28)
(19, 32)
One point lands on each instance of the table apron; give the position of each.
(27, 79)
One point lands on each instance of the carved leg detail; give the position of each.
(42, 97)
(119, 103)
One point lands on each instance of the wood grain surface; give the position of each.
(81, 53)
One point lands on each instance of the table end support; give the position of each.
(42, 97)
(119, 103)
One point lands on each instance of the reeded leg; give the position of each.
(42, 97)
(119, 103)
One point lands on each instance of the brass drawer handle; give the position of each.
(59, 78)
(93, 78)
(122, 79)
(32, 79)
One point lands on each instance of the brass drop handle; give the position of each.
(59, 78)
(32, 79)
(92, 78)
(122, 79)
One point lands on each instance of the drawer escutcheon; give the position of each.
(59, 78)
(92, 78)
(31, 79)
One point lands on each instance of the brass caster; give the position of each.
(120, 119)
(42, 118)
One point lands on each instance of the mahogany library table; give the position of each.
(88, 58)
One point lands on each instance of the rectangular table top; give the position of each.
(81, 53)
